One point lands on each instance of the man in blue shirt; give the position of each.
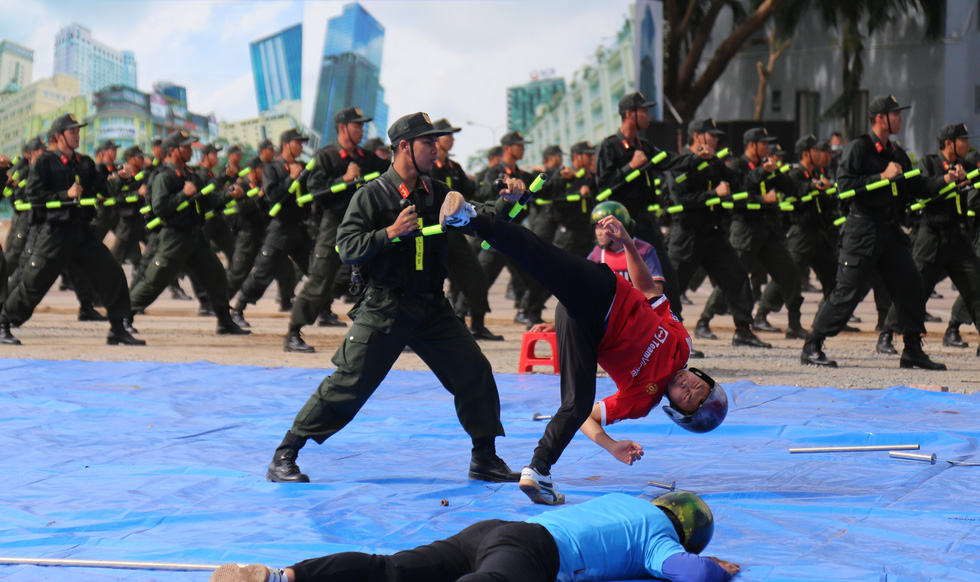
(614, 537)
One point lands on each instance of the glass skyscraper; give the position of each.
(277, 67)
(523, 101)
(350, 70)
(95, 65)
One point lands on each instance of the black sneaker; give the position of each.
(952, 339)
(293, 342)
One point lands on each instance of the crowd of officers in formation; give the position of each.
(861, 217)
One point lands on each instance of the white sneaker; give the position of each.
(540, 488)
(456, 211)
(247, 573)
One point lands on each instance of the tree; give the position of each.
(689, 27)
(855, 22)
(765, 71)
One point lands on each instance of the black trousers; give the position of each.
(487, 551)
(585, 291)
(467, 275)
(868, 247)
(317, 292)
(282, 242)
(178, 250)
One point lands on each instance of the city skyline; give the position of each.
(277, 66)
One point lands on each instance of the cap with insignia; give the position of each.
(254, 162)
(156, 142)
(375, 143)
(266, 144)
(109, 144)
(633, 101)
(132, 152)
(412, 126)
(583, 147)
(178, 139)
(445, 125)
(704, 125)
(350, 115)
(884, 105)
(66, 121)
(952, 132)
(209, 148)
(757, 134)
(805, 143)
(513, 138)
(34, 145)
(234, 150)
(552, 150)
(290, 135)
(495, 152)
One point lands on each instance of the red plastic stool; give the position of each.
(529, 360)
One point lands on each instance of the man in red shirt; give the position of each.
(601, 320)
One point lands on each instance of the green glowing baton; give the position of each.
(520, 204)
(341, 187)
(631, 176)
(876, 185)
(424, 231)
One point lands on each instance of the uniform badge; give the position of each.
(651, 389)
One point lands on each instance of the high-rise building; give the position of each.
(277, 67)
(350, 70)
(16, 67)
(171, 91)
(523, 101)
(95, 65)
(40, 97)
(269, 125)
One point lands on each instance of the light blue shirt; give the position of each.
(614, 537)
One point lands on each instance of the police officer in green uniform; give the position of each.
(14, 192)
(216, 230)
(403, 304)
(618, 156)
(755, 236)
(494, 155)
(697, 237)
(465, 272)
(377, 146)
(940, 247)
(248, 224)
(64, 176)
(343, 161)
(180, 201)
(872, 240)
(960, 313)
(286, 236)
(106, 218)
(573, 203)
(129, 195)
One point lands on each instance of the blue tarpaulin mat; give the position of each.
(166, 462)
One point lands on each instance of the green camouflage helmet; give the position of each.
(610, 208)
(691, 518)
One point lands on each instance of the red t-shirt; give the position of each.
(643, 347)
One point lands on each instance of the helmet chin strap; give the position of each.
(411, 148)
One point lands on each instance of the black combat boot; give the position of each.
(885, 345)
(914, 357)
(480, 331)
(953, 339)
(127, 324)
(485, 465)
(283, 467)
(293, 342)
(703, 330)
(119, 336)
(227, 326)
(794, 330)
(813, 353)
(238, 314)
(86, 312)
(5, 336)
(745, 338)
(760, 323)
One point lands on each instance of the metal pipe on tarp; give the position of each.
(856, 449)
(125, 565)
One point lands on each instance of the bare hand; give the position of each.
(639, 158)
(615, 229)
(75, 191)
(566, 173)
(542, 328)
(770, 197)
(728, 566)
(406, 223)
(125, 172)
(770, 165)
(4, 162)
(955, 174)
(294, 170)
(190, 189)
(626, 451)
(822, 184)
(353, 172)
(891, 171)
(585, 190)
(142, 190)
(723, 189)
(236, 191)
(514, 190)
(231, 171)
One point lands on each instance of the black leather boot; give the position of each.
(237, 314)
(127, 324)
(703, 330)
(283, 468)
(227, 326)
(794, 330)
(119, 336)
(914, 357)
(745, 338)
(485, 465)
(884, 345)
(5, 336)
(293, 342)
(86, 312)
(813, 354)
(953, 339)
(760, 323)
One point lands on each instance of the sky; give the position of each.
(449, 58)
